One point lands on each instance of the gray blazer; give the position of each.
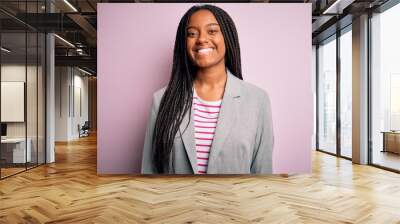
(243, 139)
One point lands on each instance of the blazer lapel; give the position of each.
(186, 130)
(226, 118)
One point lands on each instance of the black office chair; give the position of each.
(84, 130)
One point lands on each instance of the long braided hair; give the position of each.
(177, 98)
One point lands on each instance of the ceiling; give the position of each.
(76, 22)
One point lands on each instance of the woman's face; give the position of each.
(205, 42)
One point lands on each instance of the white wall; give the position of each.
(70, 84)
(15, 72)
(62, 81)
(81, 84)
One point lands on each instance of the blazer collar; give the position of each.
(227, 117)
(232, 86)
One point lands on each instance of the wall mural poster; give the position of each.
(257, 120)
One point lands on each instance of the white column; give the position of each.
(50, 92)
(50, 110)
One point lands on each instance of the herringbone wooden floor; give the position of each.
(69, 191)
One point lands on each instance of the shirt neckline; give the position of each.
(204, 101)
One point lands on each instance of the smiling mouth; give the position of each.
(204, 51)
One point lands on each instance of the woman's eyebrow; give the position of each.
(213, 24)
(210, 24)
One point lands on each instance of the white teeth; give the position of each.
(204, 50)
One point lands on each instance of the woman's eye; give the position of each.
(212, 31)
(191, 34)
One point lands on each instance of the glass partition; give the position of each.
(13, 109)
(32, 96)
(22, 77)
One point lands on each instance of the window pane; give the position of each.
(327, 96)
(346, 93)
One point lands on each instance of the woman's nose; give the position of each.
(202, 37)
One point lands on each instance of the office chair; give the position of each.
(84, 130)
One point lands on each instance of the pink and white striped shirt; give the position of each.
(205, 121)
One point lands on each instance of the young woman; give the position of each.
(207, 120)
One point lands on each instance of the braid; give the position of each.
(177, 99)
(228, 28)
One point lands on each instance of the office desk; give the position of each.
(13, 150)
(391, 141)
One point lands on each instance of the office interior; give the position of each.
(48, 82)
(49, 88)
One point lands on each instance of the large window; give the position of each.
(334, 62)
(385, 88)
(327, 95)
(346, 92)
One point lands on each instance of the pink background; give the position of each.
(135, 48)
